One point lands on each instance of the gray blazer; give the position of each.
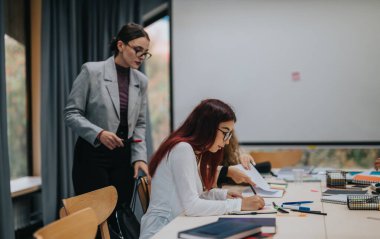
(94, 105)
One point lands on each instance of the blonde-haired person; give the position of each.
(232, 156)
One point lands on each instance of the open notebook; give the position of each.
(338, 199)
(367, 177)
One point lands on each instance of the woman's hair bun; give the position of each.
(113, 44)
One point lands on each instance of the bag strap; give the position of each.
(134, 195)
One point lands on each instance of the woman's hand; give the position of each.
(252, 203)
(234, 194)
(110, 140)
(143, 166)
(239, 176)
(246, 160)
(377, 164)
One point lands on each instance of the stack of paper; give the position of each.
(338, 199)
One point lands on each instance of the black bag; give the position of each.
(127, 223)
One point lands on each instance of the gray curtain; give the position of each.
(73, 32)
(6, 216)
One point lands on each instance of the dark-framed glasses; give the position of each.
(140, 53)
(226, 135)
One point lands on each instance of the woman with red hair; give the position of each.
(183, 170)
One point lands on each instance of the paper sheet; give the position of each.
(262, 187)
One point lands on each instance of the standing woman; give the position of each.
(184, 168)
(106, 109)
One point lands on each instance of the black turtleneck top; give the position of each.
(123, 82)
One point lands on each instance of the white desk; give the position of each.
(339, 223)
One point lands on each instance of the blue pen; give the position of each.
(296, 203)
(296, 207)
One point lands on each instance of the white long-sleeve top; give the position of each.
(177, 189)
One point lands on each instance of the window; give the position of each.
(17, 87)
(157, 70)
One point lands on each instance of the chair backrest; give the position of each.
(62, 212)
(144, 193)
(279, 159)
(102, 201)
(80, 225)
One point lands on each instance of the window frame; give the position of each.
(28, 93)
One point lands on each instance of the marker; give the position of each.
(137, 141)
(296, 207)
(279, 209)
(297, 203)
(311, 212)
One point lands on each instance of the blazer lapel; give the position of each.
(110, 77)
(133, 95)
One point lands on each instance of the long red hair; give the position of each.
(199, 130)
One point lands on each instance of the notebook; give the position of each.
(366, 178)
(222, 229)
(338, 199)
(343, 191)
(268, 224)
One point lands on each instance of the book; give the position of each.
(222, 229)
(268, 224)
(260, 236)
(366, 178)
(343, 191)
(278, 186)
(337, 199)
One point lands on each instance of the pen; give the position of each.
(296, 207)
(137, 141)
(253, 190)
(295, 203)
(278, 208)
(250, 213)
(311, 212)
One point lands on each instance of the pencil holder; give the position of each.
(336, 179)
(363, 202)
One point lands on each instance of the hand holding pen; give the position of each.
(110, 140)
(252, 203)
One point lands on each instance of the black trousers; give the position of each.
(95, 168)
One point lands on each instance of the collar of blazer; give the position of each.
(110, 76)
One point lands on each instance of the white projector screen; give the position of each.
(294, 71)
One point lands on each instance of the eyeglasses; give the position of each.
(139, 51)
(227, 135)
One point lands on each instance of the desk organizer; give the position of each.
(336, 179)
(363, 202)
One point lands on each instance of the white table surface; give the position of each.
(339, 223)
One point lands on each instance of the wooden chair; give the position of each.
(102, 201)
(80, 225)
(279, 159)
(144, 193)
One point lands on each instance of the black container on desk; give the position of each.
(363, 202)
(336, 179)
